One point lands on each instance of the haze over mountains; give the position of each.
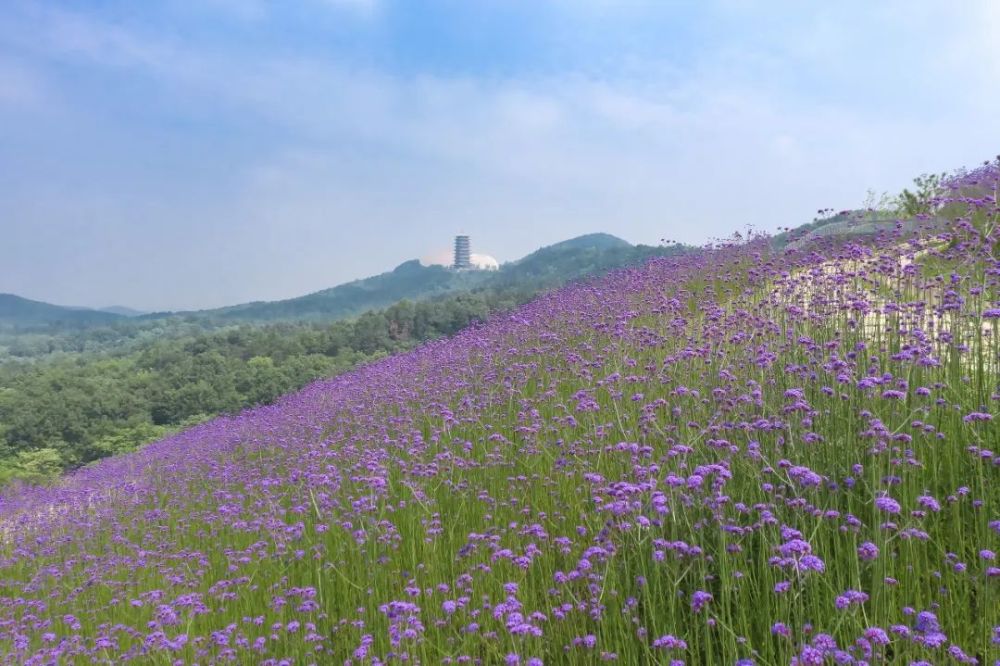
(554, 264)
(123, 311)
(411, 280)
(18, 311)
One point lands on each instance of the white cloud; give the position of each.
(520, 162)
(601, 136)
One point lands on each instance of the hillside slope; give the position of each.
(18, 311)
(123, 311)
(596, 241)
(739, 456)
(409, 280)
(858, 224)
(555, 264)
(68, 398)
(549, 266)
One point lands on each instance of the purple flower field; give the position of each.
(739, 456)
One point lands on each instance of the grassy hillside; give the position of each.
(848, 225)
(740, 456)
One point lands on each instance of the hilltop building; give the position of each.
(463, 254)
(460, 257)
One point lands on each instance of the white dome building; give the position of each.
(483, 262)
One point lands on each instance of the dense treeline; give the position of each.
(68, 410)
(122, 337)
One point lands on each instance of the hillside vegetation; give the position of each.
(548, 266)
(71, 396)
(74, 409)
(68, 328)
(744, 455)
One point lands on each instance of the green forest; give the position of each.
(70, 409)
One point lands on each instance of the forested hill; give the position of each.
(548, 266)
(18, 311)
(409, 280)
(69, 397)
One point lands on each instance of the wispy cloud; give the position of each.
(280, 154)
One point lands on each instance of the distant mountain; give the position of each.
(409, 280)
(598, 241)
(583, 256)
(554, 264)
(576, 258)
(19, 312)
(122, 310)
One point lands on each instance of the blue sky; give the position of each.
(196, 153)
